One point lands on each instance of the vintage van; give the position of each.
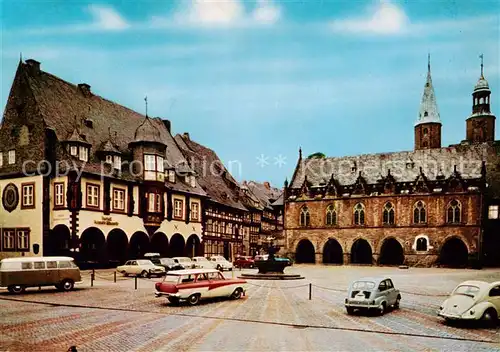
(16, 274)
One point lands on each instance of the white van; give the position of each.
(16, 274)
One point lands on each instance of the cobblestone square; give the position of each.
(274, 315)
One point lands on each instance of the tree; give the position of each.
(317, 155)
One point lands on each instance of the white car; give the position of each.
(196, 284)
(203, 263)
(142, 267)
(185, 262)
(220, 263)
(473, 300)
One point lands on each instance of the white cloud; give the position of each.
(266, 12)
(107, 18)
(384, 19)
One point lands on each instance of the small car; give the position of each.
(473, 300)
(142, 267)
(17, 274)
(221, 263)
(196, 284)
(276, 257)
(185, 262)
(372, 293)
(243, 261)
(203, 263)
(168, 263)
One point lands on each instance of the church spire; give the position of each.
(428, 112)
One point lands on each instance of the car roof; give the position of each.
(192, 271)
(480, 284)
(34, 259)
(375, 279)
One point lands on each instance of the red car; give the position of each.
(243, 261)
(193, 285)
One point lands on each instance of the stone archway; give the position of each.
(391, 252)
(332, 252)
(193, 247)
(177, 245)
(139, 245)
(159, 244)
(59, 241)
(92, 245)
(361, 252)
(454, 253)
(117, 244)
(305, 252)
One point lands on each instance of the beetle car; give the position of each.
(185, 262)
(220, 263)
(372, 293)
(167, 263)
(203, 263)
(473, 300)
(142, 267)
(196, 284)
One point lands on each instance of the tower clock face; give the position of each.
(10, 197)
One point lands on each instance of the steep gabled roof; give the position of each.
(264, 192)
(212, 175)
(428, 112)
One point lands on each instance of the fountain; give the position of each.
(271, 269)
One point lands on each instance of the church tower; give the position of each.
(481, 123)
(428, 125)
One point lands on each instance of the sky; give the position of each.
(256, 80)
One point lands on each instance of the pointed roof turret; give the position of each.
(428, 112)
(482, 83)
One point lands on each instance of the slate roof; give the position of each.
(428, 112)
(60, 103)
(404, 166)
(219, 185)
(267, 195)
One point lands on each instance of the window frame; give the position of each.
(359, 216)
(75, 149)
(4, 232)
(117, 190)
(493, 209)
(24, 186)
(421, 240)
(27, 233)
(454, 208)
(56, 203)
(98, 187)
(117, 162)
(1, 159)
(83, 153)
(197, 211)
(331, 215)
(181, 202)
(389, 210)
(420, 209)
(304, 216)
(11, 157)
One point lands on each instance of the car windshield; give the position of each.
(201, 259)
(144, 262)
(155, 260)
(184, 259)
(467, 290)
(171, 279)
(166, 261)
(363, 285)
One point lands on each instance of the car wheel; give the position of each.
(194, 299)
(490, 317)
(219, 268)
(398, 300)
(173, 300)
(381, 309)
(236, 294)
(144, 274)
(16, 289)
(67, 285)
(350, 310)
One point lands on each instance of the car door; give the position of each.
(494, 297)
(133, 267)
(217, 285)
(382, 292)
(391, 292)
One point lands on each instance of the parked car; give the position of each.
(197, 284)
(372, 293)
(142, 267)
(276, 257)
(473, 300)
(221, 263)
(185, 262)
(168, 263)
(243, 261)
(203, 263)
(16, 274)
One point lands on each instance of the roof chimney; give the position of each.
(186, 136)
(267, 185)
(167, 124)
(84, 88)
(34, 66)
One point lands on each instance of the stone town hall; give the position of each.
(431, 206)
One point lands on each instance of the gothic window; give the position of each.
(305, 217)
(454, 212)
(426, 131)
(331, 215)
(422, 244)
(359, 214)
(388, 214)
(419, 213)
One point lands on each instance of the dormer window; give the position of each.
(73, 150)
(193, 181)
(171, 176)
(153, 166)
(84, 154)
(117, 162)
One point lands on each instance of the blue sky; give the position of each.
(262, 77)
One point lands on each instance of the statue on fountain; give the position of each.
(271, 265)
